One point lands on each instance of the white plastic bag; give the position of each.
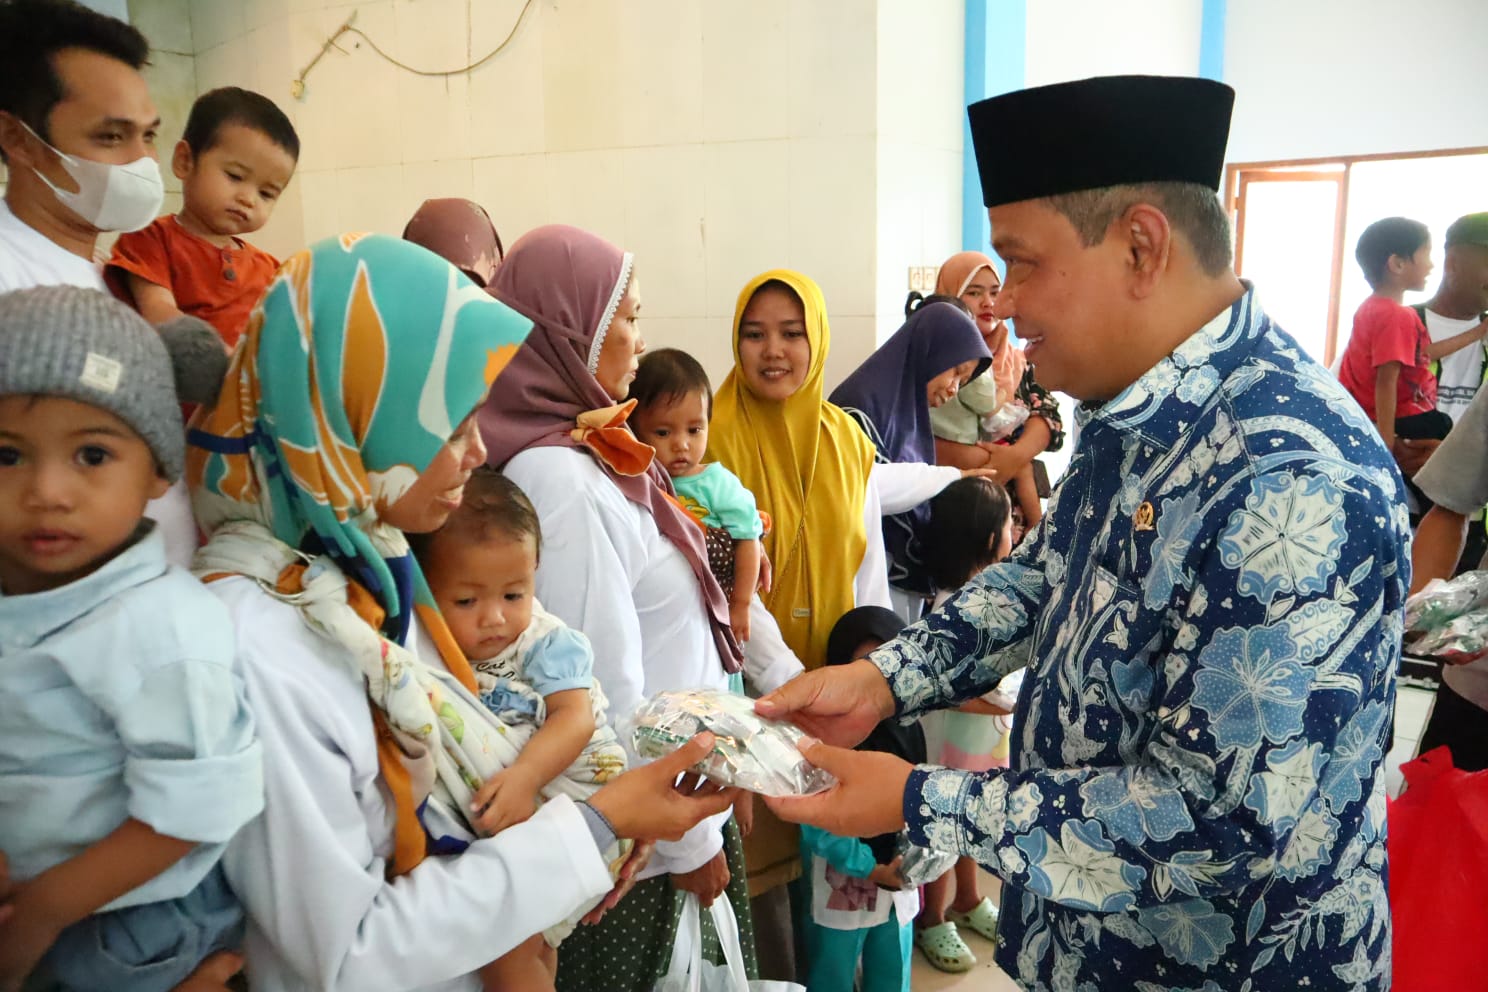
(690, 973)
(756, 754)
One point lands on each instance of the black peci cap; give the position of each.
(1105, 131)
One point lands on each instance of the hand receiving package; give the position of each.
(921, 865)
(750, 752)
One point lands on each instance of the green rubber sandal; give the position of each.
(944, 948)
(982, 920)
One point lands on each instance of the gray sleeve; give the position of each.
(1456, 475)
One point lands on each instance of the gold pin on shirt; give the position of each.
(1142, 519)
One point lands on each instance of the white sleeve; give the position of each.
(871, 584)
(588, 556)
(769, 662)
(905, 485)
(313, 886)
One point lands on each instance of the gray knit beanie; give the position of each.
(84, 345)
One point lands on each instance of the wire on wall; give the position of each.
(297, 87)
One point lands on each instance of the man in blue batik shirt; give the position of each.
(1210, 612)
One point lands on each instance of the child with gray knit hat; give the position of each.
(128, 756)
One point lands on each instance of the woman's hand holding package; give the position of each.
(646, 804)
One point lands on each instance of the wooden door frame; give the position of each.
(1238, 175)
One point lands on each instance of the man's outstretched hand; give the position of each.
(840, 704)
(867, 800)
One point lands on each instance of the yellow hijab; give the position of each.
(807, 464)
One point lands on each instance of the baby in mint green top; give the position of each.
(673, 404)
(716, 497)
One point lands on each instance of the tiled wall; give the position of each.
(713, 139)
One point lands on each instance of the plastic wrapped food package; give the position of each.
(751, 752)
(1004, 420)
(1449, 620)
(921, 865)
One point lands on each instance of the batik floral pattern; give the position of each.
(1211, 614)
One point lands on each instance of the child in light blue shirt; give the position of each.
(127, 753)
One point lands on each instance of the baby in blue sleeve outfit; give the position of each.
(127, 753)
(533, 672)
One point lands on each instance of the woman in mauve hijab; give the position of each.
(621, 560)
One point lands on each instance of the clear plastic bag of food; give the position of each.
(749, 751)
(1004, 420)
(1449, 619)
(921, 865)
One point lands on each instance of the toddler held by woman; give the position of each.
(674, 403)
(533, 672)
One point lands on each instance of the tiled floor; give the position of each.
(985, 977)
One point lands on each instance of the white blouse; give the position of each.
(310, 870)
(607, 570)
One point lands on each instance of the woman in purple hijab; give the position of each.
(620, 561)
(923, 364)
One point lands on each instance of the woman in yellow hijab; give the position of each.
(804, 459)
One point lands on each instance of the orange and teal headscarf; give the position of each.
(362, 358)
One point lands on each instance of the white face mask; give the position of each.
(120, 198)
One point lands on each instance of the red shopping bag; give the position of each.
(1438, 847)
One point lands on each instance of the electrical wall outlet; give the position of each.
(922, 278)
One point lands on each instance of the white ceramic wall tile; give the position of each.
(746, 70)
(656, 66)
(318, 204)
(435, 117)
(832, 48)
(272, 69)
(433, 180)
(172, 81)
(583, 93)
(587, 189)
(431, 34)
(371, 199)
(831, 212)
(921, 85)
(265, 14)
(349, 115)
(665, 212)
(284, 234)
(216, 21)
(747, 231)
(942, 231)
(852, 341)
(707, 340)
(507, 95)
(228, 64)
(514, 191)
(166, 23)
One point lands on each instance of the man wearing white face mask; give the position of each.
(77, 134)
(77, 130)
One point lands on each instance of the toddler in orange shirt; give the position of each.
(234, 160)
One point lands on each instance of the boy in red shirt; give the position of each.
(234, 160)
(1386, 366)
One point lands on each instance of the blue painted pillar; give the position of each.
(996, 38)
(1212, 41)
